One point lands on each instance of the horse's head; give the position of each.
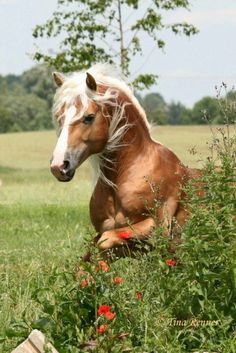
(83, 124)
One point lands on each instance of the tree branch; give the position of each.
(122, 54)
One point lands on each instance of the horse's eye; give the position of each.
(88, 119)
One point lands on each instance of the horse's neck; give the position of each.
(135, 141)
(136, 117)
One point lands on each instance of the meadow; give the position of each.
(44, 225)
(24, 163)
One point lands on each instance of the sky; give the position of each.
(188, 69)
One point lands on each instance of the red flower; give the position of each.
(109, 315)
(139, 295)
(84, 283)
(124, 235)
(103, 309)
(102, 266)
(117, 280)
(171, 262)
(102, 328)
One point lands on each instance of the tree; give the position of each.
(229, 107)
(205, 110)
(177, 114)
(155, 108)
(39, 82)
(6, 120)
(93, 31)
(231, 96)
(20, 111)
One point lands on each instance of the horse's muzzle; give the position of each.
(63, 172)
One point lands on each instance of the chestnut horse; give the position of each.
(98, 115)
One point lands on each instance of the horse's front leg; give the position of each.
(141, 230)
(120, 236)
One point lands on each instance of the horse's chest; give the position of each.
(124, 206)
(118, 213)
(128, 208)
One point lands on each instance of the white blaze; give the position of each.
(62, 143)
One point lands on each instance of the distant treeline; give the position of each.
(26, 102)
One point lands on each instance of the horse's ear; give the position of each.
(58, 78)
(91, 83)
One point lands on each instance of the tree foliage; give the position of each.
(178, 114)
(38, 81)
(23, 112)
(156, 108)
(104, 31)
(204, 109)
(26, 102)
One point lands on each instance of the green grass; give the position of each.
(34, 240)
(26, 178)
(43, 223)
(32, 150)
(40, 232)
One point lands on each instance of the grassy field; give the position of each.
(43, 222)
(24, 165)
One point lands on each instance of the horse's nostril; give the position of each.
(66, 165)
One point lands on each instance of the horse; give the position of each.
(99, 117)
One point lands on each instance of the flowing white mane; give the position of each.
(107, 75)
(104, 74)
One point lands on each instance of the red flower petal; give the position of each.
(102, 328)
(84, 283)
(109, 315)
(102, 266)
(171, 262)
(103, 309)
(118, 280)
(124, 235)
(139, 295)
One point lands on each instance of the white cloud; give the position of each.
(183, 75)
(193, 77)
(7, 2)
(206, 17)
